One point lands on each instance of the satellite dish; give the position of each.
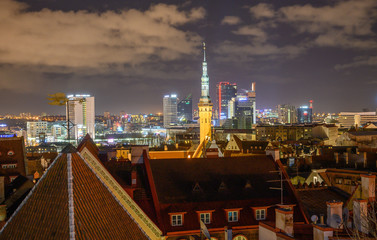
(314, 218)
(336, 218)
(346, 214)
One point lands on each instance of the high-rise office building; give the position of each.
(184, 110)
(286, 113)
(225, 92)
(304, 114)
(81, 112)
(170, 110)
(242, 109)
(205, 105)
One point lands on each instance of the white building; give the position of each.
(35, 130)
(170, 110)
(81, 112)
(349, 119)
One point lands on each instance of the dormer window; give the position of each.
(260, 214)
(233, 214)
(10, 153)
(176, 219)
(205, 216)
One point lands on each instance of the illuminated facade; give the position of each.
(82, 114)
(205, 105)
(287, 113)
(225, 92)
(304, 114)
(185, 110)
(170, 110)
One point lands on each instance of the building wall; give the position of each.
(170, 110)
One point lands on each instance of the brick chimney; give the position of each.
(275, 153)
(284, 220)
(360, 214)
(368, 186)
(336, 155)
(133, 178)
(334, 214)
(322, 232)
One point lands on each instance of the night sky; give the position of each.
(129, 54)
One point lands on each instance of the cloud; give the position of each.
(248, 52)
(97, 41)
(359, 61)
(231, 20)
(251, 31)
(262, 10)
(346, 24)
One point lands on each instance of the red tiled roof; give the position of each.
(172, 184)
(45, 212)
(17, 146)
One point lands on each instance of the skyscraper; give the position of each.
(185, 109)
(205, 105)
(304, 115)
(170, 110)
(242, 109)
(81, 112)
(286, 113)
(225, 92)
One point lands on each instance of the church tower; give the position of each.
(205, 105)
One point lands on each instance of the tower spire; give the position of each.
(204, 51)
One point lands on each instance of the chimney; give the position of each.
(133, 178)
(334, 214)
(275, 153)
(2, 188)
(253, 86)
(360, 215)
(322, 232)
(228, 233)
(368, 186)
(322, 219)
(336, 157)
(3, 212)
(365, 163)
(284, 220)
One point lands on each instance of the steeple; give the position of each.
(205, 105)
(205, 79)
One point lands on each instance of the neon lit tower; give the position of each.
(205, 105)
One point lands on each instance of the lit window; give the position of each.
(232, 216)
(240, 237)
(205, 218)
(10, 153)
(176, 220)
(315, 180)
(260, 214)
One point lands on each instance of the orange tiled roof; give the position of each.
(44, 214)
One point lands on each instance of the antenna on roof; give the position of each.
(281, 185)
(314, 219)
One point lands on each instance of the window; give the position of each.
(260, 214)
(315, 180)
(205, 218)
(232, 216)
(10, 153)
(176, 220)
(240, 237)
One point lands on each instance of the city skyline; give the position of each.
(294, 51)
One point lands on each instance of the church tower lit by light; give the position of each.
(205, 105)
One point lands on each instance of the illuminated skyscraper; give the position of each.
(205, 105)
(185, 109)
(304, 114)
(170, 110)
(286, 113)
(225, 92)
(81, 112)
